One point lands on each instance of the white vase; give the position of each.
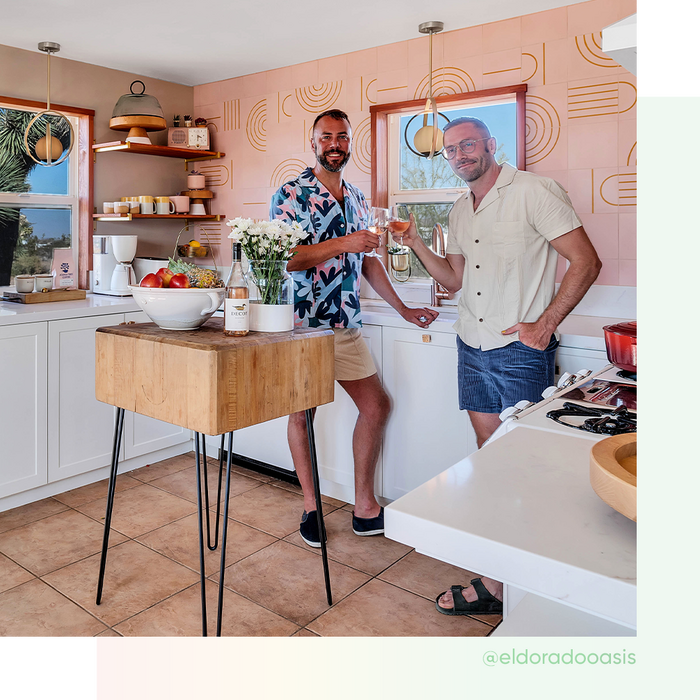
(271, 318)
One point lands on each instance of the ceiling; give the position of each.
(192, 43)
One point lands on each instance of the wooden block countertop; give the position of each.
(205, 381)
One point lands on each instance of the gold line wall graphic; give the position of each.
(543, 128)
(362, 146)
(601, 99)
(588, 47)
(446, 81)
(629, 155)
(364, 93)
(216, 175)
(255, 126)
(232, 115)
(212, 233)
(287, 170)
(319, 98)
(211, 121)
(625, 190)
(540, 64)
(281, 107)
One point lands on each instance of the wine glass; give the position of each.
(378, 224)
(399, 219)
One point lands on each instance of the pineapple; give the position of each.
(198, 276)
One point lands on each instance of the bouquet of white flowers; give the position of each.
(268, 246)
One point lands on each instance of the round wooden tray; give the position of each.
(198, 194)
(613, 472)
(137, 122)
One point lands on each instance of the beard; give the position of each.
(326, 165)
(475, 169)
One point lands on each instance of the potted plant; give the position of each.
(188, 120)
(176, 120)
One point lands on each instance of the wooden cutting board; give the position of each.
(42, 297)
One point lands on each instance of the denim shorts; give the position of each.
(492, 380)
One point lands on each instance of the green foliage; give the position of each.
(33, 254)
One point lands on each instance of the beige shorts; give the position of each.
(352, 358)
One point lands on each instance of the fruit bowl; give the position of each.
(178, 309)
(188, 251)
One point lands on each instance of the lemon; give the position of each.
(194, 244)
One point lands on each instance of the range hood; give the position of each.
(620, 42)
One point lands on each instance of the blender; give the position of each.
(124, 249)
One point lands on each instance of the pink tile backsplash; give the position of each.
(580, 116)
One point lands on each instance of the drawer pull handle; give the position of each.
(426, 338)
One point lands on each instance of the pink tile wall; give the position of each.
(581, 116)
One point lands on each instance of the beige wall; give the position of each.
(23, 75)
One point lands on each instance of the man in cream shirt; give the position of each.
(504, 236)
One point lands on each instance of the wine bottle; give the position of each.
(236, 322)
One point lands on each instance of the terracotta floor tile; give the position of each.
(265, 478)
(54, 542)
(269, 509)
(289, 581)
(37, 610)
(108, 633)
(297, 489)
(181, 616)
(382, 610)
(304, 633)
(22, 515)
(368, 554)
(11, 574)
(184, 484)
(135, 579)
(164, 468)
(140, 510)
(429, 577)
(91, 492)
(180, 541)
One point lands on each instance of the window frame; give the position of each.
(81, 168)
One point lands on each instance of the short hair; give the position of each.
(468, 120)
(333, 114)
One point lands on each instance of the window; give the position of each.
(42, 208)
(429, 187)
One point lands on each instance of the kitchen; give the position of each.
(249, 185)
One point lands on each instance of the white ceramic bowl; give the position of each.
(178, 309)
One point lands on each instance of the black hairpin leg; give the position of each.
(319, 507)
(212, 547)
(116, 445)
(202, 574)
(224, 533)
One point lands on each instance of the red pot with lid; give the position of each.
(621, 345)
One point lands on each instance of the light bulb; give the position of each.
(423, 140)
(41, 149)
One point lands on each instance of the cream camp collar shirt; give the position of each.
(510, 266)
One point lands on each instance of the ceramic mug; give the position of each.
(198, 209)
(108, 207)
(147, 204)
(24, 284)
(121, 207)
(164, 205)
(42, 282)
(182, 204)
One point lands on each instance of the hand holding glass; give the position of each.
(378, 222)
(399, 219)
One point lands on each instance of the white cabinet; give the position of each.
(23, 351)
(427, 433)
(573, 359)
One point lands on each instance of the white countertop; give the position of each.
(522, 514)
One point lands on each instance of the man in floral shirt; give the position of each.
(326, 269)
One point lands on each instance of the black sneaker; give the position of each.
(308, 529)
(368, 526)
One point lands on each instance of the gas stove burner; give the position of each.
(596, 420)
(626, 374)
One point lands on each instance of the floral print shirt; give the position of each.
(328, 295)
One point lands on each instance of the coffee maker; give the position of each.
(111, 264)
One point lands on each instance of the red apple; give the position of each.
(179, 280)
(151, 280)
(165, 274)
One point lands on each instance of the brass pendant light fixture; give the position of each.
(428, 139)
(48, 150)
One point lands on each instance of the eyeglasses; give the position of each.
(467, 146)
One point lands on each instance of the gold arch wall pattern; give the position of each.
(255, 126)
(446, 81)
(216, 175)
(542, 129)
(318, 98)
(287, 170)
(362, 146)
(590, 46)
(601, 99)
(232, 115)
(624, 190)
(629, 155)
(364, 93)
(212, 232)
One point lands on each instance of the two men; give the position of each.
(327, 270)
(503, 239)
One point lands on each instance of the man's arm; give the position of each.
(306, 256)
(584, 266)
(375, 273)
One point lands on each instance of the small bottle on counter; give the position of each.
(236, 322)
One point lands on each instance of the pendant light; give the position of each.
(48, 150)
(428, 139)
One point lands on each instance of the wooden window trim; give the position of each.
(84, 138)
(380, 131)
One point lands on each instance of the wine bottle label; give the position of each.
(236, 315)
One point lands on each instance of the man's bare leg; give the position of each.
(495, 588)
(299, 447)
(484, 425)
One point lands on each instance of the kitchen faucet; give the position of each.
(437, 291)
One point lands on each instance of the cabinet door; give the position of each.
(81, 428)
(23, 407)
(427, 433)
(573, 359)
(142, 434)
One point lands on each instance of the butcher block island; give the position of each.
(210, 383)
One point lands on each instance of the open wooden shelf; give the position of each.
(129, 217)
(151, 150)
